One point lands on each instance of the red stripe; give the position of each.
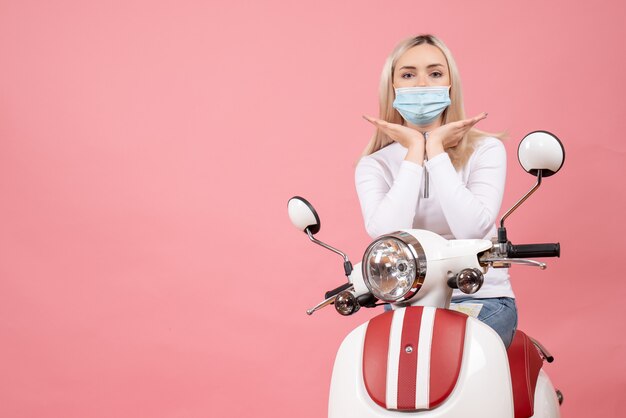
(407, 370)
(524, 363)
(446, 354)
(375, 349)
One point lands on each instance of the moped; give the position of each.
(422, 359)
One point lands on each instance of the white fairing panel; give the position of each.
(356, 278)
(483, 388)
(546, 402)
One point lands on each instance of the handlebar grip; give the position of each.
(337, 290)
(534, 250)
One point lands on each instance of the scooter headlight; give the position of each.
(394, 267)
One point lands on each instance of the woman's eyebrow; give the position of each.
(412, 67)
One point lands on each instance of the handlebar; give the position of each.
(337, 290)
(533, 250)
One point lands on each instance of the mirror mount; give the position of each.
(502, 238)
(347, 265)
(304, 217)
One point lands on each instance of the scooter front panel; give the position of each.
(482, 389)
(376, 346)
(446, 357)
(412, 357)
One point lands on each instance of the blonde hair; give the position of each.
(455, 112)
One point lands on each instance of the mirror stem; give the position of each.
(523, 199)
(347, 265)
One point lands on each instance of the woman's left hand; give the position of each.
(450, 134)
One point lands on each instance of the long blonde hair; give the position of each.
(458, 154)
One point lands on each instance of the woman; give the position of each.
(427, 167)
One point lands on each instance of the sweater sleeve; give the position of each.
(471, 209)
(387, 207)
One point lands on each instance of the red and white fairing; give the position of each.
(439, 376)
(424, 360)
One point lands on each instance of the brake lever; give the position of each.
(503, 262)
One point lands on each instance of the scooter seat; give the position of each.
(524, 363)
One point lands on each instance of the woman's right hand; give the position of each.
(409, 138)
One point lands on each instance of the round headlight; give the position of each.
(394, 267)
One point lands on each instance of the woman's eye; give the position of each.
(436, 74)
(407, 75)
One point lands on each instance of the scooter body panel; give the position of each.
(546, 403)
(483, 387)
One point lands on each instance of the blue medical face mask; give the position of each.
(421, 105)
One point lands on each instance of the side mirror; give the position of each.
(541, 154)
(302, 215)
(541, 151)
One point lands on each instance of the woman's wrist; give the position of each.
(415, 153)
(434, 147)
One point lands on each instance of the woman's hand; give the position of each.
(409, 138)
(449, 135)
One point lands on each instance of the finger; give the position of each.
(468, 123)
(369, 119)
(384, 125)
(480, 117)
(374, 120)
(377, 122)
(465, 123)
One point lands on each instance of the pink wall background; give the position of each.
(148, 149)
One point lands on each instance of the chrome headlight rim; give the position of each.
(419, 258)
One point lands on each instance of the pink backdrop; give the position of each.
(148, 149)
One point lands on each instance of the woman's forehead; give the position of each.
(422, 56)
